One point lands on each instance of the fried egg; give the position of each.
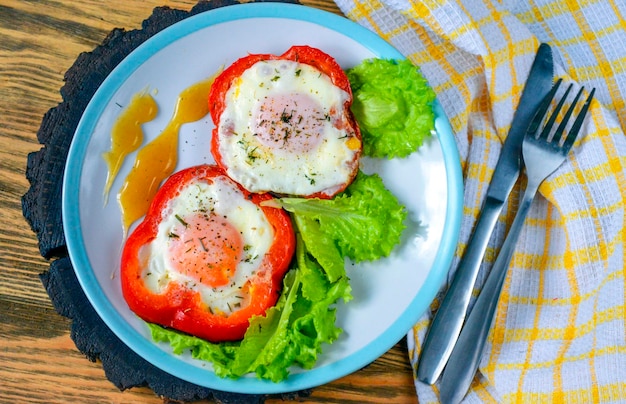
(285, 128)
(212, 240)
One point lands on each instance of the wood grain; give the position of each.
(39, 362)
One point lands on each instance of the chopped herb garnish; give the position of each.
(180, 219)
(201, 239)
(285, 117)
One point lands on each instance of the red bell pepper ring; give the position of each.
(301, 54)
(182, 308)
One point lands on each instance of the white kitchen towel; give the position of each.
(559, 334)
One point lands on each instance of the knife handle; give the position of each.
(448, 320)
(467, 353)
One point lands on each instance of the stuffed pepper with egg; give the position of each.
(283, 124)
(207, 257)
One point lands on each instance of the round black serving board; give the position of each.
(41, 207)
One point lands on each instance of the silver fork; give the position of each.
(542, 154)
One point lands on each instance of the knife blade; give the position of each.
(446, 325)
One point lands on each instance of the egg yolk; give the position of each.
(290, 122)
(205, 247)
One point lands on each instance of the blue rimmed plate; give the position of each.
(389, 294)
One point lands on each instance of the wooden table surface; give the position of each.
(39, 363)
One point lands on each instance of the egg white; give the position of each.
(222, 198)
(260, 167)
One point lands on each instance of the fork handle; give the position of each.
(467, 352)
(448, 320)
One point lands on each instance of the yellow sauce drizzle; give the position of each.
(157, 160)
(127, 135)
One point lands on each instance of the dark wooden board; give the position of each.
(41, 206)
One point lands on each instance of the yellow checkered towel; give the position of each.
(559, 334)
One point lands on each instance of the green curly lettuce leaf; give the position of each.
(392, 105)
(364, 223)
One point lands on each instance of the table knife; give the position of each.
(446, 325)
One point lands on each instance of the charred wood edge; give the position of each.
(41, 206)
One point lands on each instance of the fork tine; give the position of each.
(548, 127)
(573, 132)
(543, 108)
(559, 131)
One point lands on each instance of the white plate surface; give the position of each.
(389, 295)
